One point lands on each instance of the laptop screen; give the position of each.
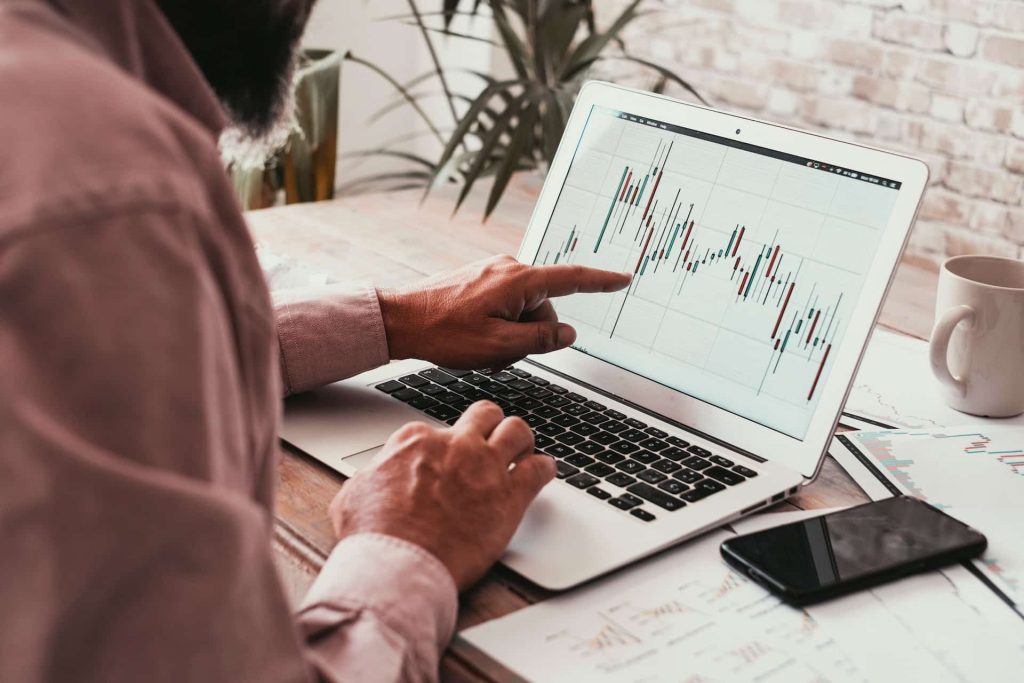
(746, 261)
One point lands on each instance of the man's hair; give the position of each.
(246, 49)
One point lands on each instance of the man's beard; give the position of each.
(247, 51)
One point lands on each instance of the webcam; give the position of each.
(737, 131)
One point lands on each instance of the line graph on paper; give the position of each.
(745, 266)
(977, 476)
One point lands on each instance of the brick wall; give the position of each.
(942, 80)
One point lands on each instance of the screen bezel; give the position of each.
(804, 456)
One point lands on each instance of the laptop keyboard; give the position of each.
(639, 469)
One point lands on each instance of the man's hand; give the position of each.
(449, 491)
(489, 314)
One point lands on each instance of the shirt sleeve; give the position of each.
(382, 609)
(327, 334)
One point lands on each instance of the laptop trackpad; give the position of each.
(341, 420)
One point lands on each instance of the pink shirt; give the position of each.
(140, 382)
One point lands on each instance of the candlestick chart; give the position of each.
(745, 266)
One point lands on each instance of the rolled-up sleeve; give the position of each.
(382, 609)
(327, 334)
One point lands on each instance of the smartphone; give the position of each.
(845, 551)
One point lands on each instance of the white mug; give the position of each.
(977, 346)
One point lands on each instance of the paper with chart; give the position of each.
(894, 386)
(747, 261)
(685, 616)
(975, 473)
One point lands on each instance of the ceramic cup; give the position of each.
(977, 346)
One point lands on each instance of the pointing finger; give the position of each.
(566, 279)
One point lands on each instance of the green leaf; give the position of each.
(483, 155)
(594, 44)
(518, 54)
(522, 140)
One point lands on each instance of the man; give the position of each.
(140, 388)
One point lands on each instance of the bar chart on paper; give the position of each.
(745, 263)
(975, 475)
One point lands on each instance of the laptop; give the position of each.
(711, 387)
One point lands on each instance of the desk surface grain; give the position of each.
(393, 238)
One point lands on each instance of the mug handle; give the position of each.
(939, 347)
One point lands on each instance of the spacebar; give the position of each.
(659, 498)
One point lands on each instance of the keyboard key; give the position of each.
(575, 409)
(594, 405)
(630, 467)
(391, 386)
(695, 462)
(610, 457)
(547, 412)
(659, 498)
(745, 471)
(509, 395)
(521, 385)
(656, 433)
(604, 438)
(533, 420)
(565, 420)
(503, 377)
(540, 381)
(475, 379)
(693, 495)
(578, 398)
(590, 448)
(579, 460)
(651, 476)
(687, 476)
(556, 388)
(677, 442)
(538, 392)
(653, 444)
(516, 411)
(634, 423)
(457, 373)
(666, 466)
(595, 418)
(582, 481)
(422, 402)
(460, 387)
(640, 513)
(620, 479)
(614, 426)
(406, 394)
(673, 486)
(486, 371)
(673, 453)
(441, 412)
(550, 429)
(719, 460)
(646, 457)
(599, 493)
(492, 387)
(723, 475)
(433, 389)
(615, 415)
(540, 441)
(560, 451)
(449, 397)
(584, 429)
(437, 376)
(625, 502)
(634, 435)
(474, 394)
(557, 401)
(564, 470)
(624, 447)
(599, 469)
(413, 381)
(519, 373)
(699, 451)
(569, 438)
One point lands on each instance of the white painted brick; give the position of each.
(961, 39)
(804, 44)
(782, 102)
(947, 108)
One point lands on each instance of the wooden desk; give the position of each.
(392, 238)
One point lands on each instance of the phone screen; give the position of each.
(819, 553)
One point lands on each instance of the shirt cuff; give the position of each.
(405, 586)
(327, 334)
